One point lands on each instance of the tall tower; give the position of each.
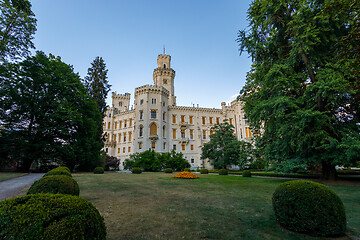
(164, 76)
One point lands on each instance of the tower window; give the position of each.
(153, 145)
(203, 120)
(141, 101)
(120, 104)
(141, 131)
(183, 147)
(140, 145)
(153, 113)
(153, 129)
(174, 147)
(153, 101)
(164, 65)
(165, 81)
(141, 115)
(164, 116)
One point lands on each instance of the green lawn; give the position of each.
(157, 206)
(9, 175)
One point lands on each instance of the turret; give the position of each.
(121, 101)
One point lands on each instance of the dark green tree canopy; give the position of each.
(17, 27)
(303, 88)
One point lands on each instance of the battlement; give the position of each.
(121, 96)
(164, 56)
(151, 88)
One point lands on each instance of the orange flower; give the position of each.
(186, 175)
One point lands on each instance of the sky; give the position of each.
(199, 35)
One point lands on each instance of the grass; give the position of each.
(8, 175)
(157, 206)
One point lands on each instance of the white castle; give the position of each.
(155, 122)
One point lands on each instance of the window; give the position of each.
(140, 145)
(164, 145)
(130, 124)
(217, 120)
(192, 160)
(129, 136)
(141, 115)
(183, 147)
(108, 136)
(115, 125)
(182, 133)
(191, 119)
(109, 125)
(118, 150)
(120, 104)
(153, 145)
(174, 133)
(119, 137)
(163, 104)
(192, 147)
(164, 65)
(125, 123)
(163, 131)
(248, 132)
(210, 120)
(120, 123)
(141, 131)
(114, 137)
(165, 80)
(153, 129)
(203, 120)
(153, 114)
(129, 149)
(164, 116)
(182, 118)
(174, 147)
(123, 149)
(211, 132)
(230, 121)
(106, 150)
(204, 134)
(174, 118)
(191, 134)
(141, 101)
(153, 101)
(124, 137)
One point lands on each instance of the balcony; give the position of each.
(154, 137)
(183, 125)
(110, 143)
(183, 141)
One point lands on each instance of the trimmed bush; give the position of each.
(55, 184)
(186, 169)
(168, 170)
(246, 173)
(136, 170)
(204, 171)
(309, 207)
(223, 172)
(58, 171)
(50, 216)
(99, 170)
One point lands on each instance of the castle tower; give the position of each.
(121, 101)
(164, 76)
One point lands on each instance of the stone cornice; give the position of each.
(151, 89)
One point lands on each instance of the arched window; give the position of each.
(141, 131)
(164, 65)
(153, 129)
(163, 131)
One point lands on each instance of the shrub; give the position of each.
(309, 207)
(186, 175)
(99, 170)
(223, 172)
(168, 170)
(55, 184)
(204, 171)
(136, 170)
(58, 171)
(246, 173)
(50, 216)
(187, 170)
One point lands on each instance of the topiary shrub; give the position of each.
(136, 170)
(187, 170)
(204, 171)
(99, 170)
(168, 170)
(50, 216)
(223, 172)
(246, 173)
(55, 184)
(58, 171)
(308, 207)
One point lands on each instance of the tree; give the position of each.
(302, 89)
(223, 149)
(97, 83)
(174, 161)
(46, 115)
(17, 27)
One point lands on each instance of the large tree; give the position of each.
(17, 27)
(302, 92)
(46, 114)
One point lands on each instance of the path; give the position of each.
(10, 188)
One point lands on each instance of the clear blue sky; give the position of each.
(199, 35)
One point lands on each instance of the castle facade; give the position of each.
(156, 122)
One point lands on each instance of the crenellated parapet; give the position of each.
(151, 89)
(164, 73)
(199, 109)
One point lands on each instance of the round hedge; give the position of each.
(168, 170)
(99, 170)
(58, 171)
(136, 170)
(55, 184)
(309, 207)
(246, 173)
(50, 216)
(204, 171)
(187, 170)
(223, 172)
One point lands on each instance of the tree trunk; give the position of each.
(328, 172)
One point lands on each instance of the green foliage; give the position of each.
(111, 163)
(58, 171)
(168, 170)
(173, 160)
(287, 175)
(223, 172)
(223, 149)
(49, 118)
(302, 94)
(246, 173)
(187, 169)
(18, 25)
(55, 184)
(98, 170)
(309, 207)
(204, 171)
(136, 170)
(50, 216)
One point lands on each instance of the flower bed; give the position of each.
(186, 175)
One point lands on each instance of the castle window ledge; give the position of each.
(154, 137)
(184, 141)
